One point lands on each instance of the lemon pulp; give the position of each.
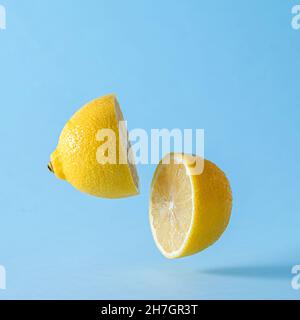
(172, 206)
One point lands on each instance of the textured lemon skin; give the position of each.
(75, 161)
(212, 209)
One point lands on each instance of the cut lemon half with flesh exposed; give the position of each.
(188, 213)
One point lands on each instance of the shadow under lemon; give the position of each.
(260, 271)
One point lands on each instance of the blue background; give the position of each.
(230, 67)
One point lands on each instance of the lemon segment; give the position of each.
(188, 213)
(75, 158)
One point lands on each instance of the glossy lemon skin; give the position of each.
(212, 208)
(75, 161)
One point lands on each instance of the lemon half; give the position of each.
(76, 156)
(188, 213)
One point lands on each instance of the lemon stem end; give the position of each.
(50, 167)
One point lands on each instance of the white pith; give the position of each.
(126, 147)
